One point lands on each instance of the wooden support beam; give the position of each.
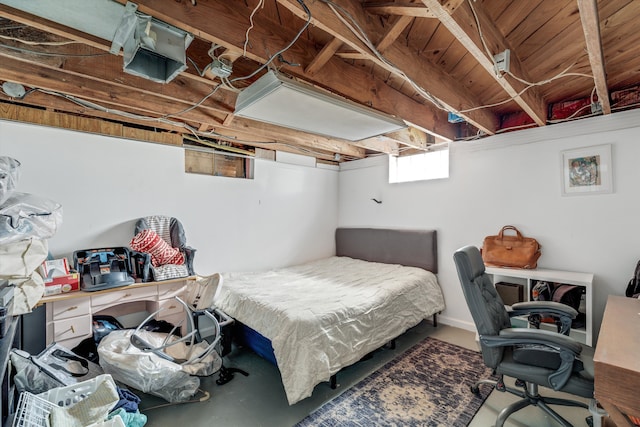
(396, 8)
(85, 124)
(406, 64)
(305, 140)
(381, 144)
(468, 35)
(73, 34)
(591, 28)
(325, 55)
(394, 32)
(146, 103)
(351, 55)
(411, 137)
(269, 36)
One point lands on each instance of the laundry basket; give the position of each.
(33, 410)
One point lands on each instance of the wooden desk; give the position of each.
(617, 360)
(69, 316)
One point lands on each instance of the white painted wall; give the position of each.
(515, 179)
(286, 215)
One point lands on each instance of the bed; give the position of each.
(324, 315)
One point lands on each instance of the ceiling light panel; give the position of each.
(285, 102)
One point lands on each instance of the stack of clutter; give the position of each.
(26, 222)
(59, 388)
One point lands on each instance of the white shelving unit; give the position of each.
(528, 278)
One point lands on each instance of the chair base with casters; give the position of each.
(530, 396)
(533, 357)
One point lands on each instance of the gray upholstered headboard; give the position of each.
(413, 248)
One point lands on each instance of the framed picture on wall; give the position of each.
(587, 170)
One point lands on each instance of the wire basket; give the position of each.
(32, 411)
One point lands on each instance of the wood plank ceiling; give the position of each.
(418, 60)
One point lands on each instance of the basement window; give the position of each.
(218, 164)
(419, 167)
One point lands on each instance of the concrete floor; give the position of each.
(259, 399)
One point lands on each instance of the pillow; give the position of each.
(161, 252)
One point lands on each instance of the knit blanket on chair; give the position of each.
(161, 252)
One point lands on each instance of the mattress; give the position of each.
(327, 314)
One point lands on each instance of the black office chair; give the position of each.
(534, 357)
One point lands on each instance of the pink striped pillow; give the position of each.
(161, 252)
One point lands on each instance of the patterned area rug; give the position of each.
(429, 385)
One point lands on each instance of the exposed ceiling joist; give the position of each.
(394, 32)
(404, 9)
(323, 56)
(269, 37)
(469, 36)
(591, 27)
(392, 56)
(400, 60)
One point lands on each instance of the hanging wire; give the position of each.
(284, 49)
(529, 85)
(357, 30)
(260, 5)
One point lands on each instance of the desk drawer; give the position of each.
(102, 301)
(68, 308)
(170, 290)
(76, 327)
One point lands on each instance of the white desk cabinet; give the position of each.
(529, 278)
(69, 316)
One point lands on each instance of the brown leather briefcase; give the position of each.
(510, 251)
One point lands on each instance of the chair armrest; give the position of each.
(546, 307)
(562, 313)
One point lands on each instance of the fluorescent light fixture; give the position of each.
(285, 102)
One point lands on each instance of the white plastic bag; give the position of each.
(21, 258)
(24, 215)
(9, 176)
(27, 293)
(149, 372)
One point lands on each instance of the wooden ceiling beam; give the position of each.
(381, 144)
(591, 28)
(75, 35)
(108, 70)
(406, 63)
(412, 137)
(60, 112)
(394, 32)
(305, 140)
(468, 35)
(399, 8)
(85, 88)
(351, 55)
(267, 37)
(323, 56)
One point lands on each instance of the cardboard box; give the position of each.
(62, 284)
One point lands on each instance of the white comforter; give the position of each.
(328, 314)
